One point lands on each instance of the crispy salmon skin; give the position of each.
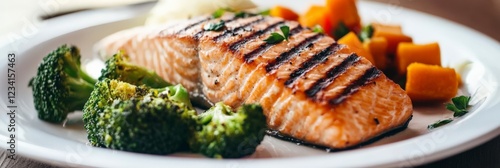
(310, 87)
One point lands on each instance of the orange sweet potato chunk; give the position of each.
(431, 83)
(316, 15)
(377, 46)
(352, 41)
(283, 12)
(392, 33)
(408, 53)
(344, 11)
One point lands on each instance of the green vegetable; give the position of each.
(122, 116)
(218, 13)
(440, 123)
(286, 32)
(118, 67)
(215, 26)
(340, 31)
(366, 33)
(179, 95)
(60, 85)
(277, 38)
(318, 29)
(243, 14)
(265, 12)
(459, 106)
(238, 14)
(222, 132)
(274, 38)
(134, 118)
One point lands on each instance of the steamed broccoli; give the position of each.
(118, 67)
(60, 85)
(221, 132)
(133, 118)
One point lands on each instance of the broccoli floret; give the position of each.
(118, 67)
(60, 85)
(133, 118)
(221, 132)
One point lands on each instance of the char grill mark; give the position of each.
(365, 79)
(198, 34)
(236, 45)
(237, 30)
(194, 24)
(332, 74)
(283, 57)
(312, 62)
(249, 57)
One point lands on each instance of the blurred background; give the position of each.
(481, 15)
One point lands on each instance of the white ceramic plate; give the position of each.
(67, 145)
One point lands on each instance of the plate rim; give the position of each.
(132, 10)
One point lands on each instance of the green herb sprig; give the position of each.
(264, 12)
(366, 33)
(218, 13)
(341, 30)
(215, 26)
(318, 29)
(277, 38)
(458, 106)
(242, 14)
(439, 123)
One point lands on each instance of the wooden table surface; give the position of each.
(482, 15)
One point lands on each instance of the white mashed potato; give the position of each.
(170, 10)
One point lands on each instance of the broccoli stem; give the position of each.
(86, 77)
(78, 93)
(134, 74)
(71, 65)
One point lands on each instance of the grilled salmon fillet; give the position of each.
(311, 88)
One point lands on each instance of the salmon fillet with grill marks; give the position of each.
(311, 88)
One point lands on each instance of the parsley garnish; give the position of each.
(286, 31)
(277, 38)
(341, 30)
(264, 12)
(243, 14)
(440, 123)
(366, 33)
(238, 14)
(215, 26)
(459, 106)
(218, 13)
(318, 29)
(274, 38)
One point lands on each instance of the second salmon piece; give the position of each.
(311, 88)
